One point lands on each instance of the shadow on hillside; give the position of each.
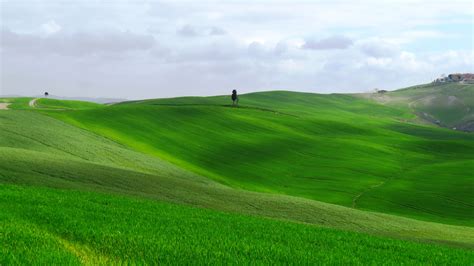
(226, 106)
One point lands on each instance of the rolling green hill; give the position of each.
(37, 150)
(450, 105)
(88, 183)
(333, 148)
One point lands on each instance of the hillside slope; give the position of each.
(37, 150)
(449, 105)
(333, 148)
(61, 178)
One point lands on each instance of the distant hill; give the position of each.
(86, 99)
(448, 105)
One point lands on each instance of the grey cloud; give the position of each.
(80, 43)
(280, 48)
(334, 42)
(188, 31)
(222, 50)
(217, 31)
(256, 49)
(194, 31)
(378, 48)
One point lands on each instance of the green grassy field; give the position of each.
(39, 155)
(66, 227)
(332, 148)
(17, 103)
(330, 168)
(65, 104)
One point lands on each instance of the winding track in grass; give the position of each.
(32, 103)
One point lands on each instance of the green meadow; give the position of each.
(49, 226)
(286, 177)
(327, 148)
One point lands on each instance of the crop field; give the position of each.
(285, 177)
(65, 227)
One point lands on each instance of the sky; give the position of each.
(153, 48)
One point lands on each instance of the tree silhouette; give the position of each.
(235, 98)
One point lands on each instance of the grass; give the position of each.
(303, 145)
(65, 104)
(284, 178)
(17, 103)
(34, 154)
(22, 103)
(451, 104)
(48, 226)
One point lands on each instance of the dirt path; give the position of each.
(32, 103)
(402, 170)
(356, 198)
(4, 106)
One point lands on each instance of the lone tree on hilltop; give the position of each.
(46, 94)
(235, 98)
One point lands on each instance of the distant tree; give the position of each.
(46, 94)
(235, 98)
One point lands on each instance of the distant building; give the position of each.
(465, 78)
(468, 81)
(455, 77)
(377, 90)
(441, 80)
(468, 78)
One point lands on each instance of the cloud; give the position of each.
(188, 31)
(376, 47)
(51, 27)
(334, 42)
(194, 31)
(217, 31)
(256, 49)
(76, 44)
(166, 48)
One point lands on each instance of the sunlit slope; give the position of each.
(46, 226)
(449, 105)
(17, 103)
(37, 150)
(30, 131)
(65, 104)
(26, 103)
(333, 148)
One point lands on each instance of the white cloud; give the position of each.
(377, 47)
(334, 42)
(169, 48)
(51, 27)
